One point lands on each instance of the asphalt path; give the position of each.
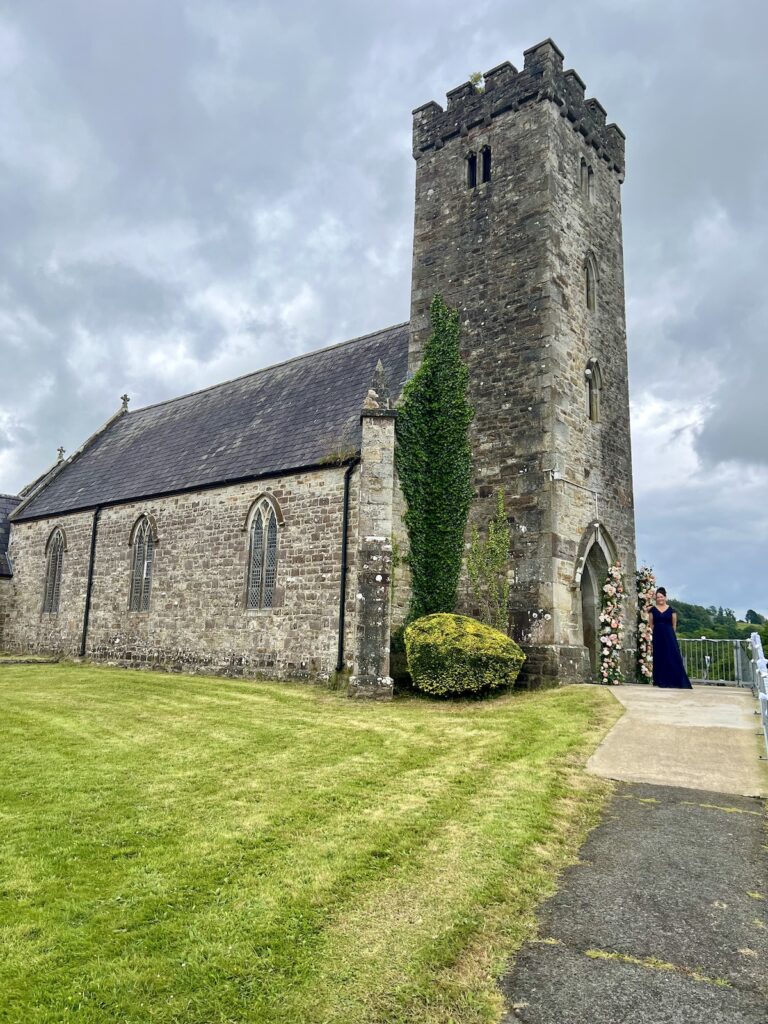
(664, 920)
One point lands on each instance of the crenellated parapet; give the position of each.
(507, 89)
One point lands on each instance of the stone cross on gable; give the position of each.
(125, 400)
(61, 454)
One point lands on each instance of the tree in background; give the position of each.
(754, 618)
(694, 620)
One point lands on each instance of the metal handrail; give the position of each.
(718, 662)
(760, 671)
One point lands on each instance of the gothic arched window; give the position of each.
(594, 381)
(143, 544)
(590, 282)
(262, 555)
(55, 549)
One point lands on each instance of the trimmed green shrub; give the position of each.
(453, 654)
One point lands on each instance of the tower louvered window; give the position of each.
(141, 569)
(485, 163)
(471, 170)
(53, 573)
(262, 564)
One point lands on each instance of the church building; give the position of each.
(256, 526)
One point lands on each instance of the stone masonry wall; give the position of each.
(28, 629)
(6, 599)
(592, 459)
(197, 617)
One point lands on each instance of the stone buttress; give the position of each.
(371, 676)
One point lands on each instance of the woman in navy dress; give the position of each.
(668, 667)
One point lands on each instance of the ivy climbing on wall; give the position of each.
(434, 463)
(488, 567)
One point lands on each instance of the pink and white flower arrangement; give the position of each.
(612, 626)
(646, 596)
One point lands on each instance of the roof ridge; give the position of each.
(272, 366)
(14, 497)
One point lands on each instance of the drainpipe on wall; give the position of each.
(344, 545)
(89, 584)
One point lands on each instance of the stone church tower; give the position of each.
(518, 225)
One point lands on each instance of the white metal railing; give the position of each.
(718, 662)
(760, 672)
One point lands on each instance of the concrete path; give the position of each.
(704, 738)
(665, 918)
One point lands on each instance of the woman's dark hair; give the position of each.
(661, 590)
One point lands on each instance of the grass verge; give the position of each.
(183, 849)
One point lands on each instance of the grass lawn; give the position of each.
(201, 851)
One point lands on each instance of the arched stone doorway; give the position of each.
(592, 579)
(596, 553)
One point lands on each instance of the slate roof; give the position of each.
(39, 481)
(7, 504)
(293, 415)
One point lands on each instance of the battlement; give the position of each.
(507, 89)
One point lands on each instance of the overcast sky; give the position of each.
(192, 189)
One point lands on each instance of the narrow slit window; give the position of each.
(583, 176)
(590, 184)
(53, 569)
(590, 283)
(594, 387)
(472, 170)
(262, 560)
(485, 161)
(141, 567)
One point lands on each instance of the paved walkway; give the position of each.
(704, 738)
(665, 918)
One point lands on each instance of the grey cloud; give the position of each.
(194, 188)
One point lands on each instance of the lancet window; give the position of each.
(262, 559)
(53, 569)
(594, 381)
(143, 556)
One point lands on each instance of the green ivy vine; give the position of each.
(434, 463)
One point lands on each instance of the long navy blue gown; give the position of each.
(668, 667)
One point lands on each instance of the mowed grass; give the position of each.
(196, 850)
